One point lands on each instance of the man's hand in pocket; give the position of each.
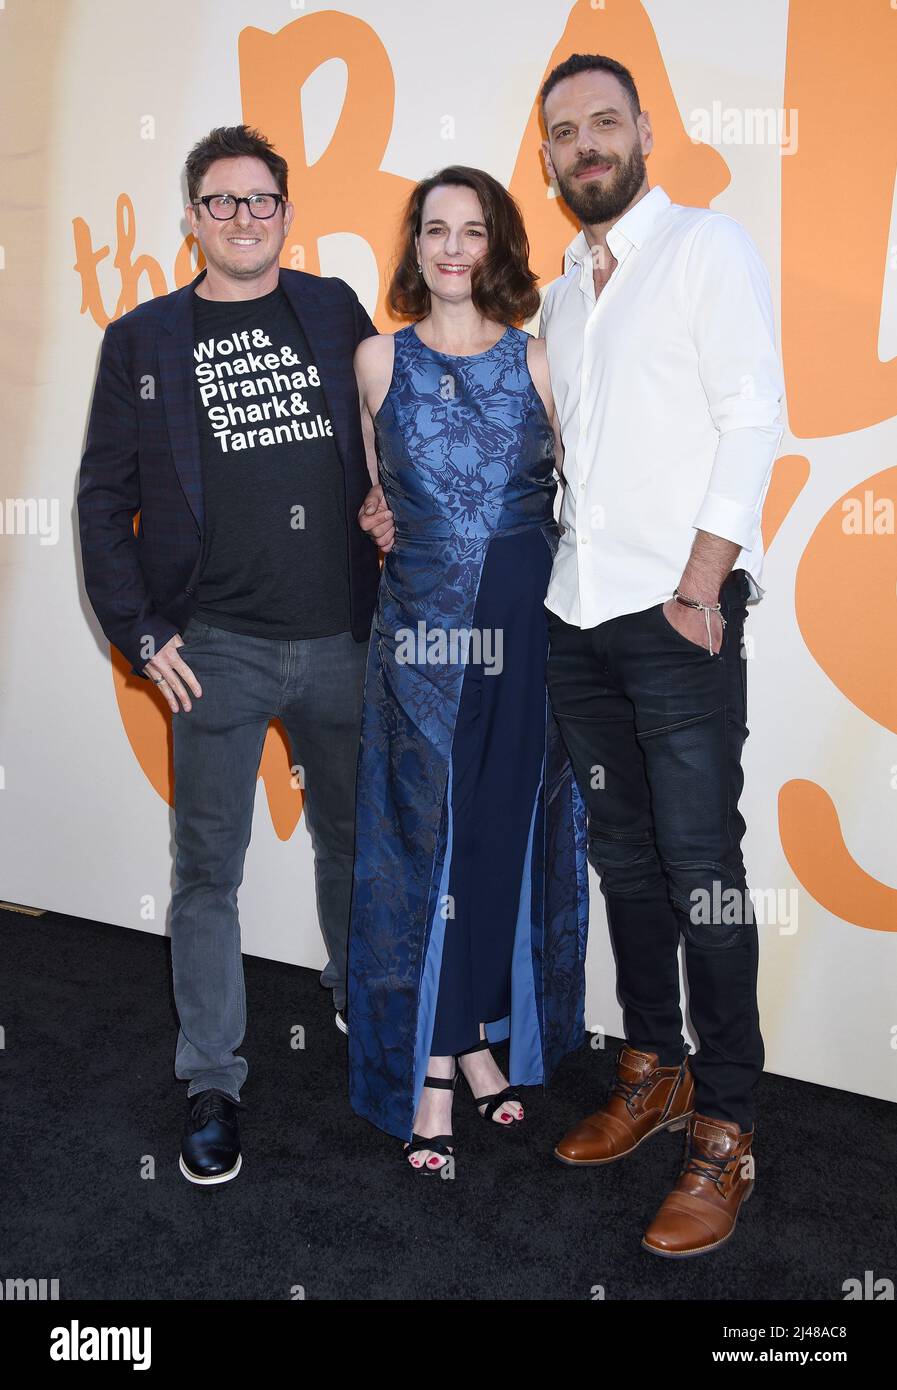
(173, 676)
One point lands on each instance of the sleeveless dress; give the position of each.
(470, 894)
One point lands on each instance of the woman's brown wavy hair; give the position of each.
(502, 285)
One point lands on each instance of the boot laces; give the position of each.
(709, 1166)
(628, 1090)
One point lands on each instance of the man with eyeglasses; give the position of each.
(226, 414)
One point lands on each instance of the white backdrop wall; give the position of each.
(103, 99)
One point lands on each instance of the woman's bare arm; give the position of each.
(373, 362)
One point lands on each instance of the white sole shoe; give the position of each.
(218, 1177)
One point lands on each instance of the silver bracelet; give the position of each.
(706, 609)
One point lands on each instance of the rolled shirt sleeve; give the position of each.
(731, 322)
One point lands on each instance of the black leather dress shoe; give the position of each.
(210, 1148)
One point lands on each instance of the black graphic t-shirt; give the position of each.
(274, 556)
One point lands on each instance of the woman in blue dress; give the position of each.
(470, 902)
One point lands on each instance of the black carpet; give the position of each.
(326, 1203)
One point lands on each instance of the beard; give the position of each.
(604, 200)
(241, 267)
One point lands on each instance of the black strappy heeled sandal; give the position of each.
(492, 1103)
(439, 1143)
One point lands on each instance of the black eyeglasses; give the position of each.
(223, 206)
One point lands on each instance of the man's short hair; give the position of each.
(591, 62)
(231, 142)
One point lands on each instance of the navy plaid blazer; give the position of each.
(143, 454)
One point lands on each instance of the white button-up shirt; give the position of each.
(669, 391)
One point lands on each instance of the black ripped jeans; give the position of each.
(655, 726)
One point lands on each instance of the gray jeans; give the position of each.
(314, 686)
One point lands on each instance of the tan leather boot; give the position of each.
(717, 1176)
(643, 1099)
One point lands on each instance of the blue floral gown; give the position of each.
(470, 899)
